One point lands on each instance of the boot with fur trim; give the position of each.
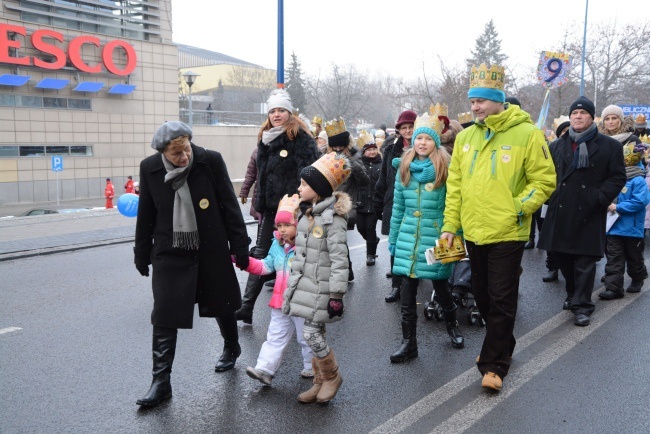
(309, 396)
(332, 379)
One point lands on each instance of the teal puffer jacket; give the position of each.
(415, 225)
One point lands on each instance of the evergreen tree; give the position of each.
(488, 48)
(295, 84)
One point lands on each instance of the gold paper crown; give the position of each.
(317, 120)
(492, 78)
(364, 138)
(289, 203)
(640, 119)
(335, 168)
(334, 127)
(465, 117)
(645, 139)
(431, 120)
(446, 254)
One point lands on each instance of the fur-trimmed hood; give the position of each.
(340, 203)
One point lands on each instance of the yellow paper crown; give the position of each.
(465, 117)
(431, 120)
(645, 139)
(317, 120)
(334, 127)
(365, 137)
(492, 78)
(335, 168)
(289, 204)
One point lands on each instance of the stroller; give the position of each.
(460, 284)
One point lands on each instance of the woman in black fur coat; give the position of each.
(285, 146)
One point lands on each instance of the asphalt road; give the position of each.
(75, 341)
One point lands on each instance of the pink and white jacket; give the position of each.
(279, 260)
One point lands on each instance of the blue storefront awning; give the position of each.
(89, 86)
(14, 80)
(122, 89)
(52, 83)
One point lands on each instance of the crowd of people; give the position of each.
(490, 183)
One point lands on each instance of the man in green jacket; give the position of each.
(501, 172)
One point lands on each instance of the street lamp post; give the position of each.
(190, 78)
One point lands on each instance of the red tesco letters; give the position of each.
(74, 51)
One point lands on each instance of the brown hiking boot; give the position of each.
(309, 396)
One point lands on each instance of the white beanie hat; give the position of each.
(279, 98)
(323, 135)
(612, 110)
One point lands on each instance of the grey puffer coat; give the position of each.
(320, 267)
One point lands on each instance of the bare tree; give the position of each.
(344, 92)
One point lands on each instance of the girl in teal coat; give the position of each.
(415, 225)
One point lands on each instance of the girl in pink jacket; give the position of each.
(281, 327)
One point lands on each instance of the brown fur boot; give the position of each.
(309, 397)
(332, 379)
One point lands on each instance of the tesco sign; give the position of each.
(39, 40)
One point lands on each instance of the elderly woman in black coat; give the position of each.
(285, 146)
(189, 224)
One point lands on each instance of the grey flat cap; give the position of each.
(168, 132)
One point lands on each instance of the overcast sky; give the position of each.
(393, 37)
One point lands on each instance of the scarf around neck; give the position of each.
(269, 135)
(633, 172)
(422, 170)
(581, 155)
(185, 230)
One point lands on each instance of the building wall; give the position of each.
(119, 127)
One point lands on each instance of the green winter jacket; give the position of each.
(415, 225)
(501, 172)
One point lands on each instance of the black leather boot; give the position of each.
(254, 286)
(409, 348)
(393, 296)
(163, 351)
(551, 276)
(370, 259)
(457, 340)
(231, 348)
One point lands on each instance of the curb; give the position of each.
(73, 247)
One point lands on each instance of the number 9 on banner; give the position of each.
(127, 204)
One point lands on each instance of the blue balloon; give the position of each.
(127, 204)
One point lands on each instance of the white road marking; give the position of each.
(9, 330)
(360, 246)
(519, 376)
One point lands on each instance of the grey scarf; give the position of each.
(634, 171)
(270, 135)
(186, 232)
(581, 155)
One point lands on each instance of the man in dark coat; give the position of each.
(590, 174)
(189, 224)
(393, 147)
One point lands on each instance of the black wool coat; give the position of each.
(577, 210)
(385, 187)
(278, 168)
(364, 198)
(183, 277)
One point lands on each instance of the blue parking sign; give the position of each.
(57, 163)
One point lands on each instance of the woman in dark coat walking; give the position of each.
(285, 146)
(392, 148)
(189, 224)
(366, 217)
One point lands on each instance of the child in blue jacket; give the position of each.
(625, 241)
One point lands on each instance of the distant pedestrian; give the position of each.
(189, 224)
(366, 216)
(128, 187)
(136, 188)
(109, 193)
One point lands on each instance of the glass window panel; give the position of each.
(35, 18)
(55, 102)
(81, 151)
(8, 151)
(32, 151)
(34, 6)
(30, 101)
(7, 100)
(79, 104)
(57, 150)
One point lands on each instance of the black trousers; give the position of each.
(622, 251)
(579, 271)
(495, 284)
(552, 262)
(367, 227)
(396, 279)
(409, 292)
(538, 221)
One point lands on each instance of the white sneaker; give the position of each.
(307, 373)
(260, 376)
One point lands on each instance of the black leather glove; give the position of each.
(242, 261)
(335, 307)
(143, 269)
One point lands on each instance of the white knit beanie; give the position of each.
(323, 135)
(279, 98)
(612, 110)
